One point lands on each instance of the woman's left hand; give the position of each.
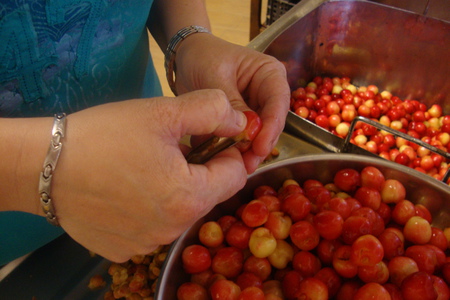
(251, 79)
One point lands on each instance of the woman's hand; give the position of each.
(122, 185)
(249, 78)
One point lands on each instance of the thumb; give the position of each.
(209, 112)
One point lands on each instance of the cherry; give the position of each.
(253, 127)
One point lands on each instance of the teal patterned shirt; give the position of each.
(65, 56)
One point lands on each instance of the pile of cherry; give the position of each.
(332, 103)
(356, 237)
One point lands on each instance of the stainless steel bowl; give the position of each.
(423, 189)
(371, 43)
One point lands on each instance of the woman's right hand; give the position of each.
(122, 185)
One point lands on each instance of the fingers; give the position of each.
(209, 112)
(273, 117)
(271, 91)
(221, 177)
(252, 161)
(206, 112)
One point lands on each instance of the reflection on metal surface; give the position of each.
(310, 132)
(291, 146)
(438, 9)
(206, 150)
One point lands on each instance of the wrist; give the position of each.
(172, 48)
(23, 148)
(50, 162)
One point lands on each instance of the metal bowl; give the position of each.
(349, 38)
(421, 188)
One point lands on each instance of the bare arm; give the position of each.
(24, 144)
(169, 16)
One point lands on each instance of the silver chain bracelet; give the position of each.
(171, 50)
(45, 179)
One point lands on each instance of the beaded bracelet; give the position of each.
(45, 179)
(169, 55)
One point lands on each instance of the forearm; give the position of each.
(169, 16)
(24, 143)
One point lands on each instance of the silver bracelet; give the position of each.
(169, 55)
(45, 179)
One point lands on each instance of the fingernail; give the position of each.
(260, 160)
(241, 119)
